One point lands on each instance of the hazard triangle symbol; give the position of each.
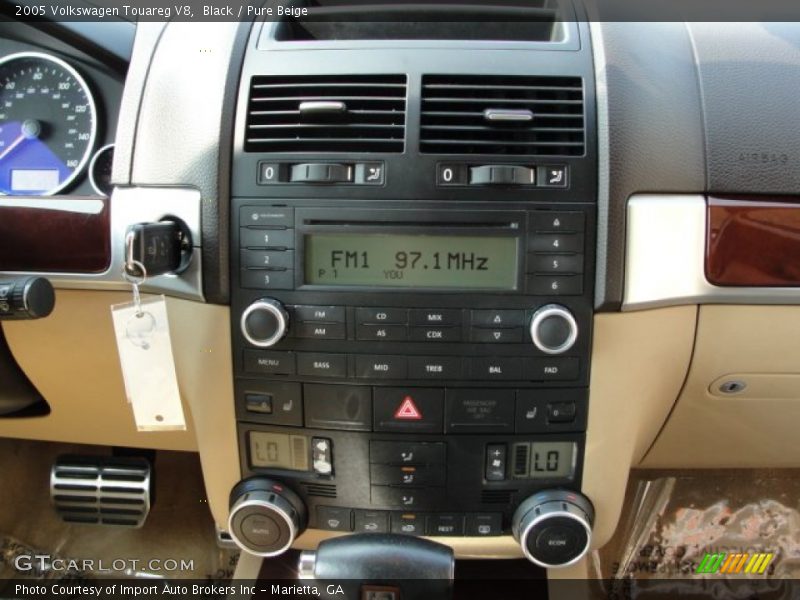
(407, 410)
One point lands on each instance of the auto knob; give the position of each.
(264, 322)
(553, 329)
(265, 516)
(554, 527)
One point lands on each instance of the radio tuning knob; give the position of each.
(553, 329)
(554, 528)
(265, 517)
(264, 322)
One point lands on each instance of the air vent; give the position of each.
(321, 490)
(524, 116)
(497, 496)
(327, 113)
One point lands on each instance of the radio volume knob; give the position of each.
(264, 323)
(553, 329)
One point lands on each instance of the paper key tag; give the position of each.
(148, 367)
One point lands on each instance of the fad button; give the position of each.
(408, 410)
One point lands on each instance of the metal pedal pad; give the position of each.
(101, 490)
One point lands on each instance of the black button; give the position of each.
(497, 336)
(267, 259)
(553, 176)
(407, 453)
(404, 410)
(259, 279)
(548, 285)
(266, 238)
(344, 407)
(322, 456)
(372, 173)
(561, 412)
(435, 334)
(554, 331)
(496, 455)
(258, 403)
(381, 367)
(480, 411)
(555, 263)
(484, 524)
(334, 518)
(315, 364)
(268, 217)
(403, 497)
(551, 369)
(558, 540)
(555, 242)
(435, 367)
(372, 521)
(269, 363)
(445, 524)
(407, 475)
(319, 331)
(382, 333)
(547, 221)
(262, 324)
(287, 402)
(382, 316)
(271, 173)
(260, 530)
(408, 523)
(451, 174)
(498, 318)
(500, 368)
(319, 314)
(533, 408)
(436, 317)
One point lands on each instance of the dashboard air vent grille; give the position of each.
(326, 113)
(508, 115)
(497, 496)
(321, 490)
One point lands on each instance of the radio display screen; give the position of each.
(411, 260)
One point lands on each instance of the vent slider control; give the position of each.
(502, 175)
(321, 173)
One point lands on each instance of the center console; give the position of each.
(412, 280)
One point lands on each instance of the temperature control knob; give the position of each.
(265, 516)
(264, 322)
(554, 528)
(553, 329)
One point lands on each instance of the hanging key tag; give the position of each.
(145, 354)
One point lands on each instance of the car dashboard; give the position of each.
(451, 280)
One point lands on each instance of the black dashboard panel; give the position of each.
(411, 408)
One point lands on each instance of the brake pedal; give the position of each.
(101, 490)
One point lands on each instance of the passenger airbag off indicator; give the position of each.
(408, 411)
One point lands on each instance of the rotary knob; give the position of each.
(264, 323)
(554, 528)
(553, 329)
(266, 516)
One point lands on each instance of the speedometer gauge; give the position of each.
(48, 124)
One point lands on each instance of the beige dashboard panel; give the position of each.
(759, 345)
(71, 358)
(639, 362)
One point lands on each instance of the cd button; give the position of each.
(382, 316)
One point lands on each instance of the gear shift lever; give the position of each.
(374, 566)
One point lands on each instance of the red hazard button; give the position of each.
(418, 410)
(408, 411)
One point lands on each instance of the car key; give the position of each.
(155, 248)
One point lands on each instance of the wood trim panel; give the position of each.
(57, 235)
(753, 242)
